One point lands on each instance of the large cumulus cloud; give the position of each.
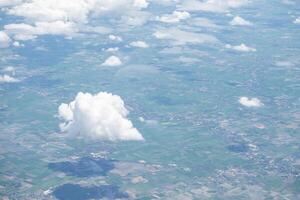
(99, 116)
(62, 17)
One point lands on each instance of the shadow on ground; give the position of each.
(85, 167)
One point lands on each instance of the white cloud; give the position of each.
(140, 44)
(77, 11)
(112, 61)
(139, 179)
(135, 18)
(250, 102)
(175, 17)
(115, 38)
(297, 21)
(9, 2)
(218, 6)
(17, 44)
(8, 79)
(65, 17)
(239, 21)
(180, 37)
(148, 121)
(21, 31)
(112, 49)
(4, 40)
(53, 10)
(27, 32)
(140, 3)
(242, 48)
(99, 116)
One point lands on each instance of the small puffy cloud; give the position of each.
(112, 61)
(297, 21)
(135, 18)
(139, 179)
(239, 21)
(140, 3)
(175, 17)
(250, 102)
(140, 44)
(180, 37)
(4, 40)
(115, 38)
(148, 121)
(217, 6)
(8, 79)
(242, 48)
(17, 44)
(100, 116)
